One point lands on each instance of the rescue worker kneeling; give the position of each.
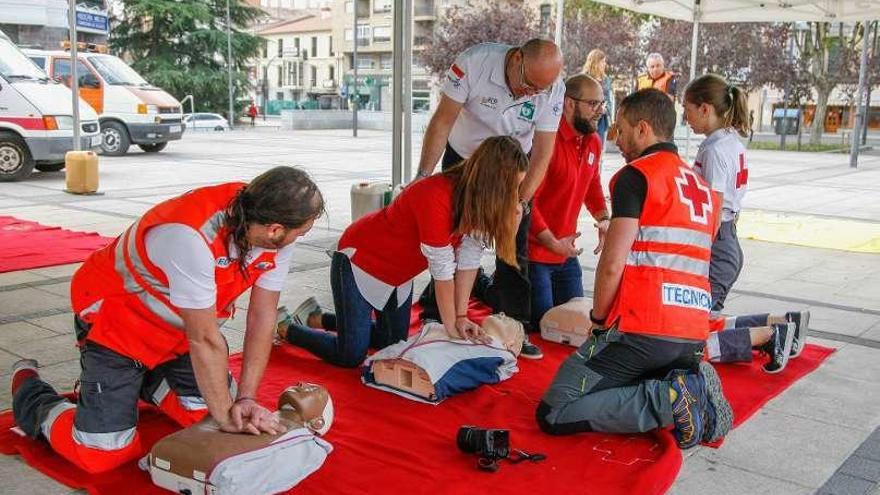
(642, 368)
(148, 308)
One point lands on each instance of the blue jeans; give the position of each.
(554, 284)
(356, 331)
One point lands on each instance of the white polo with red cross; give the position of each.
(476, 79)
(721, 160)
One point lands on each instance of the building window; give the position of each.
(314, 76)
(382, 33)
(279, 96)
(331, 72)
(280, 47)
(330, 43)
(296, 45)
(280, 76)
(299, 74)
(349, 7)
(386, 61)
(314, 46)
(365, 63)
(265, 49)
(382, 5)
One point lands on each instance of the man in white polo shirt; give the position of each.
(495, 90)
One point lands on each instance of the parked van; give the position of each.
(36, 117)
(131, 110)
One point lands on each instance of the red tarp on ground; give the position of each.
(387, 444)
(27, 245)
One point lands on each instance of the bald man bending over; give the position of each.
(496, 90)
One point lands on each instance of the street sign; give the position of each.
(92, 22)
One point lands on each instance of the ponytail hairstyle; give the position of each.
(728, 101)
(282, 195)
(486, 194)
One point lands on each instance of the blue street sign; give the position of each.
(92, 21)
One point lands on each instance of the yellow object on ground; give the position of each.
(810, 231)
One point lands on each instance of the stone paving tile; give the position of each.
(28, 300)
(62, 324)
(6, 361)
(701, 475)
(845, 484)
(51, 350)
(57, 271)
(13, 334)
(19, 277)
(761, 444)
(60, 289)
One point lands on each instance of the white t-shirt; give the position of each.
(181, 252)
(476, 79)
(721, 160)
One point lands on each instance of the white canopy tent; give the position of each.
(702, 11)
(696, 11)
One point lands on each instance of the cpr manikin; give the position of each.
(203, 459)
(568, 323)
(431, 366)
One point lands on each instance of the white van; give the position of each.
(131, 110)
(36, 118)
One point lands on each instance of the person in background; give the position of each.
(595, 67)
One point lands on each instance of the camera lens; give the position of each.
(467, 439)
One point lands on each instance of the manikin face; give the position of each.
(656, 67)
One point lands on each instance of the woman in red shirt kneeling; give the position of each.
(442, 223)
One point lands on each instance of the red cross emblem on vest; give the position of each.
(695, 195)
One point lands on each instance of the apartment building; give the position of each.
(375, 57)
(299, 64)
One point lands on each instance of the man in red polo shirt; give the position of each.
(572, 180)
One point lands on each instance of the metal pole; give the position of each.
(396, 91)
(74, 78)
(354, 65)
(695, 39)
(786, 93)
(862, 110)
(229, 67)
(560, 8)
(407, 89)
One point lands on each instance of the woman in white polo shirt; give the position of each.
(719, 111)
(441, 223)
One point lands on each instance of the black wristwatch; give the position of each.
(597, 321)
(526, 208)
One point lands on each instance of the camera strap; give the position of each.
(491, 464)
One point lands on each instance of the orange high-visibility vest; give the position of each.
(665, 286)
(661, 83)
(126, 298)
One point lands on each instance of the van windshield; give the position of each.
(116, 72)
(15, 65)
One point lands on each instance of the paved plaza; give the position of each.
(821, 435)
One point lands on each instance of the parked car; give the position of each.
(131, 110)
(205, 122)
(36, 118)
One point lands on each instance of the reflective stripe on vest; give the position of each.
(675, 235)
(668, 261)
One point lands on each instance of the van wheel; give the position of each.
(153, 148)
(49, 167)
(116, 140)
(16, 162)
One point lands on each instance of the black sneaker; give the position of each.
(779, 347)
(801, 320)
(718, 417)
(530, 350)
(687, 408)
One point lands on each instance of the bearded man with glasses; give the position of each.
(499, 90)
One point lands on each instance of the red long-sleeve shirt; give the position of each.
(572, 180)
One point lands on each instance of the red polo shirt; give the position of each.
(572, 180)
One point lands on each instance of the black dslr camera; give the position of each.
(487, 443)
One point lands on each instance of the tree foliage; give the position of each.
(588, 25)
(181, 47)
(465, 26)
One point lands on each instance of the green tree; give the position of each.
(180, 46)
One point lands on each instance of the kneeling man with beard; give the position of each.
(572, 180)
